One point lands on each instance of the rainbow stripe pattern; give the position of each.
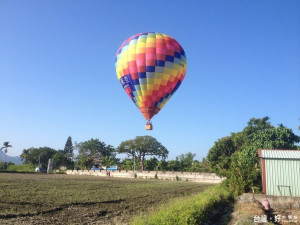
(150, 66)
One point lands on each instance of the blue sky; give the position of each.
(58, 78)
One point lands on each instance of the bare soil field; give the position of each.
(64, 199)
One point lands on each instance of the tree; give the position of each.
(61, 158)
(236, 156)
(126, 164)
(36, 155)
(129, 148)
(186, 161)
(183, 162)
(84, 162)
(151, 164)
(220, 153)
(272, 138)
(173, 165)
(5, 146)
(163, 165)
(69, 147)
(255, 125)
(94, 149)
(143, 146)
(109, 160)
(242, 175)
(243, 167)
(204, 166)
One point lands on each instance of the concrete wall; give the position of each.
(184, 176)
(275, 199)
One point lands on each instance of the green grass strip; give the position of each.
(188, 210)
(21, 168)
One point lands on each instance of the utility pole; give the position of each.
(134, 162)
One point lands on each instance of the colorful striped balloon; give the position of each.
(150, 66)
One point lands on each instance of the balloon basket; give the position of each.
(148, 126)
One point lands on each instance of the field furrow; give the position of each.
(65, 199)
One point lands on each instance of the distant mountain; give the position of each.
(14, 159)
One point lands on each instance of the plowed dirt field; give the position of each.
(70, 199)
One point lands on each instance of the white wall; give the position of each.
(184, 176)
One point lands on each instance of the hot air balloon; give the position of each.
(150, 66)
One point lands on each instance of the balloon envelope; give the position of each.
(150, 66)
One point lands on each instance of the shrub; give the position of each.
(242, 175)
(156, 177)
(21, 168)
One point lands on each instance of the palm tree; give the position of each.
(5, 146)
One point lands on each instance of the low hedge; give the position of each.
(21, 168)
(188, 210)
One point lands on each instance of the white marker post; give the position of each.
(50, 165)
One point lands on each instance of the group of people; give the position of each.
(108, 171)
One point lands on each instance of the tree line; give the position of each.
(234, 156)
(142, 153)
